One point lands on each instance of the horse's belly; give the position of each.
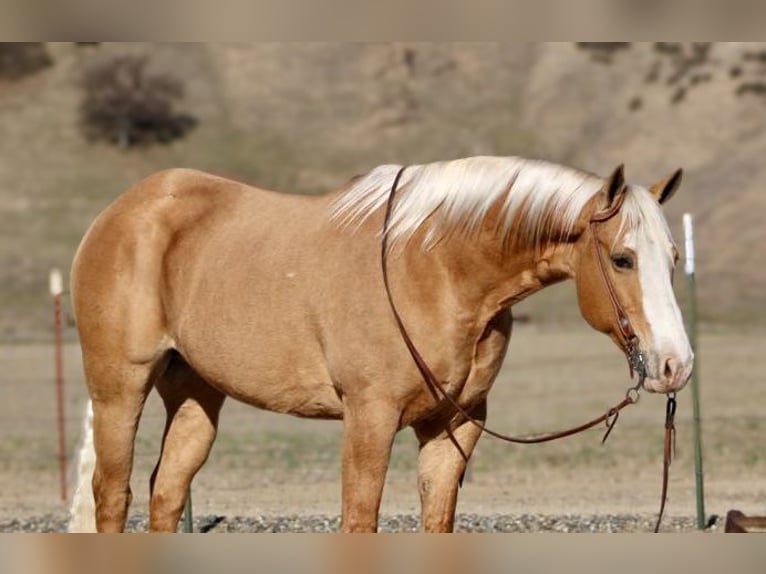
(297, 396)
(308, 401)
(293, 381)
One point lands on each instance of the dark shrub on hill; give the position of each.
(125, 104)
(18, 59)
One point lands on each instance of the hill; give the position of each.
(305, 117)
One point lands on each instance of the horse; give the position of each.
(204, 288)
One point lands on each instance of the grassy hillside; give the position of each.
(304, 118)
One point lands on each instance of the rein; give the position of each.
(629, 339)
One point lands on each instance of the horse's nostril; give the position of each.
(668, 368)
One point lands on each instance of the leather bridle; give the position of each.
(635, 357)
(628, 336)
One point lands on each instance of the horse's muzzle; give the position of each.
(668, 373)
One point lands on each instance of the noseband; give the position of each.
(629, 341)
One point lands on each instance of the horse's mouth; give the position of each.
(665, 386)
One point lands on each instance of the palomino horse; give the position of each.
(203, 288)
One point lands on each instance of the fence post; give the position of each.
(692, 327)
(188, 519)
(56, 285)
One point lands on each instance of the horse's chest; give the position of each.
(472, 375)
(487, 359)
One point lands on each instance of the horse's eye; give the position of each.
(622, 261)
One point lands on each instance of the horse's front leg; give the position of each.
(368, 434)
(440, 466)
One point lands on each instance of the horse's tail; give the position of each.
(82, 515)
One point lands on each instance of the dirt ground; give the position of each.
(274, 464)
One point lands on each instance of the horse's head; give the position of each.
(624, 279)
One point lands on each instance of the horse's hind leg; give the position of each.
(192, 409)
(117, 409)
(440, 467)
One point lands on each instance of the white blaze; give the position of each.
(653, 246)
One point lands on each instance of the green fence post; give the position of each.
(188, 519)
(692, 327)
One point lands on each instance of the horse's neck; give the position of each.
(481, 272)
(487, 278)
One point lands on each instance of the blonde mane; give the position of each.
(544, 198)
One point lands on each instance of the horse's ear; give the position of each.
(615, 185)
(665, 189)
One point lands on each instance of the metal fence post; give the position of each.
(56, 286)
(692, 327)
(188, 525)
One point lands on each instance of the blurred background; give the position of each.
(81, 122)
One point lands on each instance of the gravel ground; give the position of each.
(393, 523)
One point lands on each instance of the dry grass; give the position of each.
(270, 463)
